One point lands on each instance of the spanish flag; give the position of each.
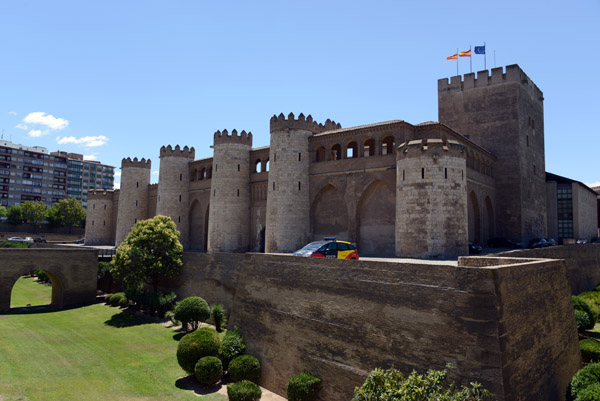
(465, 54)
(452, 57)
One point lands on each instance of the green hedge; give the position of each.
(303, 387)
(582, 305)
(243, 391)
(590, 350)
(195, 345)
(593, 299)
(116, 298)
(233, 346)
(590, 393)
(208, 370)
(586, 377)
(123, 302)
(244, 367)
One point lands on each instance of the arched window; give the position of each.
(369, 147)
(267, 165)
(470, 159)
(388, 145)
(320, 154)
(477, 165)
(258, 166)
(352, 150)
(209, 173)
(336, 152)
(202, 174)
(194, 175)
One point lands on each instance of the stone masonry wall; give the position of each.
(508, 324)
(99, 218)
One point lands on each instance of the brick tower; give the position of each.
(173, 187)
(229, 213)
(431, 189)
(99, 218)
(133, 196)
(504, 113)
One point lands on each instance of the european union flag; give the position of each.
(479, 49)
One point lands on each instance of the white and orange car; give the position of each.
(329, 248)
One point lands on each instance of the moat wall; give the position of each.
(506, 323)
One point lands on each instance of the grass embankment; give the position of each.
(90, 353)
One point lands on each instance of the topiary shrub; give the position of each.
(586, 377)
(582, 305)
(590, 393)
(593, 300)
(218, 314)
(191, 311)
(590, 350)
(582, 320)
(244, 367)
(107, 298)
(116, 298)
(233, 346)
(195, 345)
(243, 391)
(303, 387)
(208, 370)
(123, 302)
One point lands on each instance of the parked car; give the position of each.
(15, 239)
(329, 248)
(28, 240)
(40, 239)
(582, 241)
(550, 242)
(79, 241)
(474, 249)
(500, 242)
(537, 243)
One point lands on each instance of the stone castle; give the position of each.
(392, 188)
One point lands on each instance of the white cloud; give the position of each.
(41, 118)
(22, 126)
(155, 172)
(88, 141)
(36, 133)
(117, 173)
(90, 157)
(593, 184)
(117, 185)
(12, 113)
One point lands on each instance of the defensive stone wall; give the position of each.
(506, 323)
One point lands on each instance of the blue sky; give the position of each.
(113, 79)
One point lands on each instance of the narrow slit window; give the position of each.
(299, 157)
(94, 206)
(214, 193)
(103, 222)
(423, 173)
(445, 172)
(92, 222)
(238, 192)
(273, 186)
(238, 167)
(403, 175)
(137, 184)
(179, 219)
(180, 177)
(104, 207)
(299, 186)
(136, 203)
(179, 198)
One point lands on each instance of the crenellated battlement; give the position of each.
(280, 123)
(498, 76)
(241, 138)
(177, 151)
(143, 163)
(424, 145)
(95, 194)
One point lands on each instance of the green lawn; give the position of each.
(91, 353)
(27, 291)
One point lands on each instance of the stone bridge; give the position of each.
(73, 272)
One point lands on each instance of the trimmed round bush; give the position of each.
(123, 302)
(116, 298)
(192, 310)
(244, 367)
(195, 345)
(233, 345)
(590, 350)
(208, 370)
(582, 320)
(107, 298)
(243, 391)
(590, 393)
(593, 300)
(303, 387)
(582, 305)
(586, 377)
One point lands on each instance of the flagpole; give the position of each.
(484, 57)
(470, 59)
(457, 61)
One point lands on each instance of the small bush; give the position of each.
(582, 320)
(243, 391)
(303, 387)
(582, 305)
(590, 393)
(593, 299)
(244, 367)
(137, 294)
(597, 288)
(208, 370)
(590, 350)
(171, 316)
(42, 276)
(191, 311)
(107, 298)
(233, 346)
(103, 269)
(218, 314)
(586, 377)
(195, 345)
(116, 298)
(123, 302)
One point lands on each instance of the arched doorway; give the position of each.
(205, 242)
(329, 216)
(474, 219)
(376, 221)
(196, 226)
(32, 290)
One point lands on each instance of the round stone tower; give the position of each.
(288, 201)
(99, 217)
(229, 213)
(173, 187)
(133, 195)
(431, 199)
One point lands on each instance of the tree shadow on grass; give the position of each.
(124, 319)
(178, 336)
(190, 383)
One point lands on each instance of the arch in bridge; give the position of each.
(74, 273)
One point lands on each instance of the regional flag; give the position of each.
(465, 54)
(453, 57)
(479, 49)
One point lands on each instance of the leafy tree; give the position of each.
(150, 251)
(391, 385)
(2, 211)
(69, 212)
(34, 213)
(14, 215)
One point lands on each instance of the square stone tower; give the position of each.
(504, 113)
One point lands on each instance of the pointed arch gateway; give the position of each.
(329, 214)
(376, 220)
